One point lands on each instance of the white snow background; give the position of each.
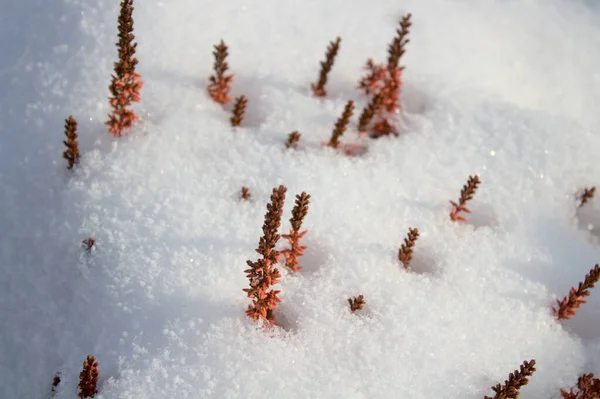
(509, 90)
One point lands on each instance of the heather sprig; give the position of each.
(88, 378)
(516, 380)
(466, 194)
(126, 83)
(568, 306)
(262, 273)
(341, 125)
(405, 252)
(587, 195)
(220, 83)
(292, 140)
(332, 49)
(295, 235)
(71, 154)
(238, 110)
(588, 387)
(356, 303)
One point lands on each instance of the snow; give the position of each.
(504, 89)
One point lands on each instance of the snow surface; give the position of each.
(509, 90)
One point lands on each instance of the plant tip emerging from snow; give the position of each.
(88, 378)
(292, 140)
(588, 387)
(332, 50)
(356, 303)
(245, 193)
(262, 273)
(516, 380)
(568, 306)
(220, 83)
(71, 154)
(405, 252)
(126, 83)
(238, 110)
(587, 195)
(341, 125)
(295, 235)
(466, 194)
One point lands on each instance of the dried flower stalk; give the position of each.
(466, 194)
(292, 141)
(587, 195)
(262, 274)
(341, 125)
(516, 380)
(71, 154)
(88, 378)
(126, 83)
(296, 250)
(356, 303)
(332, 49)
(569, 305)
(238, 110)
(588, 387)
(406, 250)
(219, 86)
(245, 194)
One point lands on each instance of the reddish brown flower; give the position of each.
(319, 88)
(220, 83)
(568, 306)
(466, 194)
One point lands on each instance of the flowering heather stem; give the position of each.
(238, 110)
(71, 154)
(262, 274)
(332, 49)
(406, 250)
(219, 86)
(588, 387)
(292, 141)
(567, 307)
(356, 303)
(466, 194)
(88, 378)
(396, 48)
(587, 195)
(126, 83)
(516, 380)
(298, 214)
(341, 124)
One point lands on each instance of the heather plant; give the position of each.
(587, 387)
(587, 195)
(238, 110)
(71, 154)
(292, 140)
(332, 50)
(220, 83)
(262, 273)
(89, 244)
(245, 193)
(88, 378)
(295, 235)
(126, 83)
(405, 252)
(356, 303)
(516, 380)
(568, 306)
(386, 80)
(341, 125)
(466, 194)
